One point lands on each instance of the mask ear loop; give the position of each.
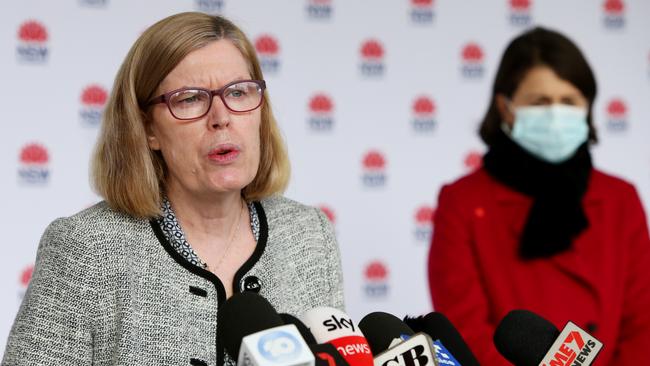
(505, 127)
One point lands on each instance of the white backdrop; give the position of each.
(379, 102)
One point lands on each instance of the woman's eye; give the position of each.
(236, 93)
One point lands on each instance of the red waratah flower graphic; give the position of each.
(473, 160)
(26, 276)
(374, 160)
(34, 154)
(32, 31)
(94, 95)
(267, 45)
(372, 49)
(614, 6)
(520, 5)
(376, 271)
(423, 106)
(320, 103)
(472, 52)
(329, 213)
(422, 3)
(616, 107)
(424, 215)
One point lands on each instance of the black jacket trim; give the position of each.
(201, 272)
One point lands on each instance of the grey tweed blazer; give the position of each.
(109, 289)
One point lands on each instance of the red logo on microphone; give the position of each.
(33, 168)
(372, 58)
(93, 99)
(32, 42)
(473, 160)
(472, 61)
(424, 224)
(520, 13)
(614, 14)
(424, 114)
(376, 274)
(617, 115)
(268, 50)
(422, 11)
(319, 9)
(374, 169)
(213, 7)
(320, 109)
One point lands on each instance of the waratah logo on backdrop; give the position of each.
(32, 42)
(617, 115)
(329, 212)
(614, 17)
(422, 11)
(319, 9)
(374, 169)
(94, 3)
(520, 12)
(424, 224)
(209, 6)
(268, 50)
(34, 161)
(424, 114)
(23, 280)
(372, 58)
(473, 160)
(93, 100)
(472, 61)
(320, 112)
(376, 276)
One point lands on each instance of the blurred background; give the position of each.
(379, 102)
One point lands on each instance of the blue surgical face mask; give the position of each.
(551, 133)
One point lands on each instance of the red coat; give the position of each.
(602, 284)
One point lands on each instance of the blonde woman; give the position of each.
(190, 163)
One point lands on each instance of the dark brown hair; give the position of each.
(539, 47)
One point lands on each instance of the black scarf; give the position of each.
(556, 216)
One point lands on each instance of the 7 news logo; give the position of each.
(279, 346)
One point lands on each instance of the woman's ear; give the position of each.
(503, 106)
(152, 139)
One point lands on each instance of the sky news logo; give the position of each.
(268, 50)
(209, 6)
(422, 11)
(423, 118)
(424, 224)
(376, 280)
(372, 59)
(32, 43)
(321, 110)
(617, 120)
(93, 100)
(614, 14)
(319, 9)
(33, 169)
(473, 160)
(520, 13)
(374, 169)
(472, 59)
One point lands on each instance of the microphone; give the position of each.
(326, 354)
(254, 334)
(394, 343)
(330, 325)
(451, 349)
(525, 338)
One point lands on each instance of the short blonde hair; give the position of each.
(129, 175)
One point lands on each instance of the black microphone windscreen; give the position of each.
(439, 327)
(302, 328)
(524, 337)
(381, 329)
(244, 314)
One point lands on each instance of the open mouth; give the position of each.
(224, 153)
